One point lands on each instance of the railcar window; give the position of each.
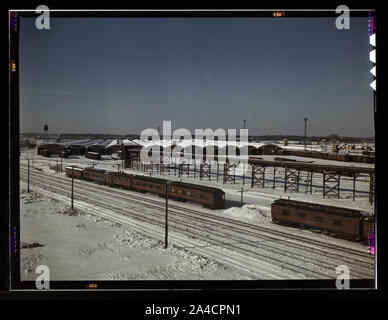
(188, 193)
(286, 212)
(337, 222)
(319, 219)
(301, 215)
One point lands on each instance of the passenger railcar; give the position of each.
(341, 222)
(212, 198)
(92, 174)
(78, 172)
(149, 184)
(119, 179)
(368, 228)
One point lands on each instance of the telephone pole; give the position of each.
(72, 188)
(305, 132)
(166, 220)
(28, 176)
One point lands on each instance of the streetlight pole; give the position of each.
(28, 176)
(305, 132)
(72, 188)
(166, 220)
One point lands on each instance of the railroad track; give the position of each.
(229, 228)
(210, 215)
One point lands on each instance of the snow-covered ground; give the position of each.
(77, 245)
(103, 239)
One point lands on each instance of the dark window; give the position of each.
(286, 212)
(337, 222)
(301, 215)
(318, 219)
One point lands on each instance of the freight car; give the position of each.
(341, 222)
(93, 155)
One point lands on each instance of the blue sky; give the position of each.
(124, 75)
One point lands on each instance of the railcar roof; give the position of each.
(197, 186)
(121, 174)
(95, 170)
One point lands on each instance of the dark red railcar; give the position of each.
(118, 179)
(148, 184)
(92, 174)
(209, 197)
(368, 228)
(342, 222)
(77, 172)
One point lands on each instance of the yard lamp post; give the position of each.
(72, 188)
(166, 220)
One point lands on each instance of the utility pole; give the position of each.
(28, 176)
(72, 188)
(305, 132)
(166, 221)
(242, 190)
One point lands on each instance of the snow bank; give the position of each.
(249, 212)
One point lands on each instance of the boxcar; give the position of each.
(77, 172)
(341, 222)
(209, 197)
(92, 174)
(93, 155)
(117, 179)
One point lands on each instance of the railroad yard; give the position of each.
(119, 234)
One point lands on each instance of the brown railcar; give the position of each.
(78, 172)
(341, 222)
(93, 155)
(149, 184)
(117, 179)
(332, 156)
(368, 159)
(213, 198)
(92, 174)
(209, 197)
(322, 155)
(368, 228)
(343, 157)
